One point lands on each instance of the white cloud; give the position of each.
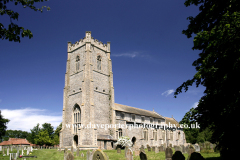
(131, 54)
(168, 92)
(25, 119)
(195, 105)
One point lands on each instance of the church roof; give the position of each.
(138, 111)
(171, 121)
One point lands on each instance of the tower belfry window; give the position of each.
(99, 62)
(77, 63)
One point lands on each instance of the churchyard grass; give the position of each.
(53, 154)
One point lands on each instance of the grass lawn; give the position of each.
(53, 154)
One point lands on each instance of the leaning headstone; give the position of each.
(70, 156)
(129, 155)
(178, 156)
(119, 150)
(196, 156)
(99, 155)
(77, 153)
(168, 153)
(143, 156)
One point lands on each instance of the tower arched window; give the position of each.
(99, 59)
(119, 132)
(77, 63)
(76, 118)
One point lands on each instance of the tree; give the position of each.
(16, 134)
(43, 138)
(34, 133)
(13, 32)
(56, 134)
(217, 36)
(49, 128)
(3, 125)
(194, 135)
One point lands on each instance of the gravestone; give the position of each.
(72, 149)
(197, 148)
(77, 153)
(183, 149)
(99, 155)
(7, 151)
(129, 154)
(156, 149)
(178, 156)
(149, 148)
(153, 149)
(142, 149)
(190, 151)
(143, 156)
(89, 155)
(196, 156)
(119, 150)
(22, 151)
(168, 153)
(126, 148)
(82, 154)
(27, 152)
(161, 149)
(178, 148)
(70, 156)
(170, 145)
(3, 150)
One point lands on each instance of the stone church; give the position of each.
(88, 100)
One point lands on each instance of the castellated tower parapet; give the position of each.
(88, 93)
(88, 38)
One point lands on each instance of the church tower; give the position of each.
(88, 94)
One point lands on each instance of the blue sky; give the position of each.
(150, 56)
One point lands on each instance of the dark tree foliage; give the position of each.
(218, 67)
(49, 128)
(13, 31)
(194, 135)
(3, 125)
(16, 134)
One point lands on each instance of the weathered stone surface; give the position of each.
(143, 156)
(129, 154)
(161, 149)
(89, 155)
(119, 150)
(178, 156)
(99, 155)
(168, 152)
(149, 148)
(77, 152)
(153, 149)
(70, 156)
(190, 151)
